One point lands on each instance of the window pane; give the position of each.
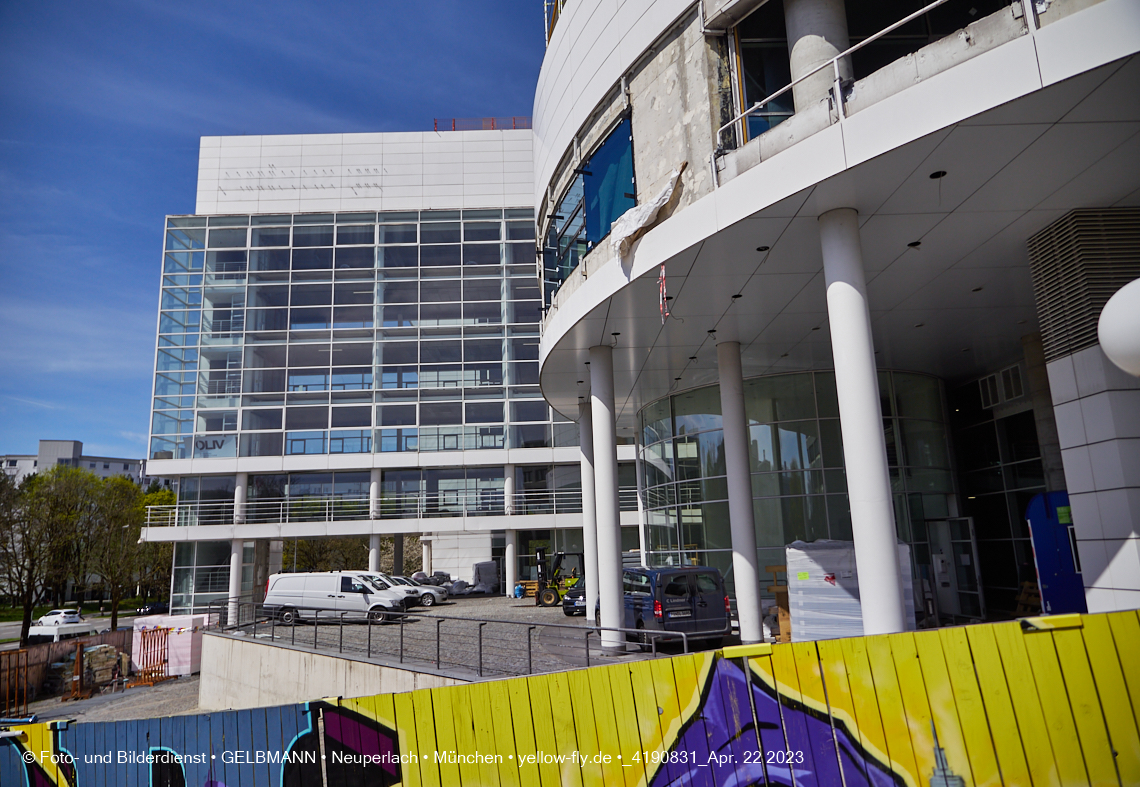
(609, 188)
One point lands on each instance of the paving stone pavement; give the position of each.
(448, 638)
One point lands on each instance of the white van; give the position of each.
(334, 593)
(409, 594)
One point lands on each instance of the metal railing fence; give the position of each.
(483, 646)
(410, 505)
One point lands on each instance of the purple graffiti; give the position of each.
(785, 744)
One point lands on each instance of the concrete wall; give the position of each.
(383, 171)
(1097, 407)
(237, 674)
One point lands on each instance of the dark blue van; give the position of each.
(691, 599)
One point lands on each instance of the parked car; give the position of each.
(574, 602)
(58, 616)
(409, 594)
(691, 599)
(293, 597)
(429, 594)
(156, 608)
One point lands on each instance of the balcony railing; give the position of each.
(412, 505)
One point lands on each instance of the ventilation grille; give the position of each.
(1078, 263)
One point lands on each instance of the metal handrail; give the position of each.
(331, 508)
(251, 615)
(834, 64)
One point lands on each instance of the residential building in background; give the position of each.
(70, 453)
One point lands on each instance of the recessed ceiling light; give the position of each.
(1021, 322)
(737, 296)
(692, 357)
(712, 330)
(977, 289)
(914, 244)
(581, 381)
(668, 297)
(677, 378)
(616, 333)
(785, 355)
(919, 324)
(763, 248)
(816, 328)
(938, 174)
(965, 349)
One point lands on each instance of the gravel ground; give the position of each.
(176, 697)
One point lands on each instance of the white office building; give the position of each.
(867, 310)
(348, 345)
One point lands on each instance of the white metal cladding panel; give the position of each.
(374, 171)
(594, 43)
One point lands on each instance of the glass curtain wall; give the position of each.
(348, 333)
(202, 574)
(799, 485)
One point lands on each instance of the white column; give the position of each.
(817, 32)
(510, 562)
(374, 494)
(241, 488)
(509, 490)
(589, 508)
(861, 423)
(606, 494)
(374, 553)
(746, 574)
(236, 548)
(398, 553)
(642, 526)
(426, 544)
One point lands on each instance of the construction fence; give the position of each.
(1043, 701)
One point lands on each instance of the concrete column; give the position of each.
(374, 553)
(509, 489)
(241, 488)
(603, 417)
(817, 32)
(374, 494)
(642, 525)
(276, 550)
(861, 424)
(398, 553)
(589, 508)
(260, 569)
(426, 544)
(236, 548)
(510, 562)
(741, 521)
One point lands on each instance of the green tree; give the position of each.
(155, 558)
(40, 523)
(115, 550)
(64, 502)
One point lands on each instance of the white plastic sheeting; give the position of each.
(632, 224)
(823, 590)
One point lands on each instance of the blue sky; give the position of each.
(101, 108)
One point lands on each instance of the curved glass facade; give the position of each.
(799, 486)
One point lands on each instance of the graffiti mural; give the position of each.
(1045, 701)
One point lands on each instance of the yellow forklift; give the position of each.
(564, 571)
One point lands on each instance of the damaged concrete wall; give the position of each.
(678, 94)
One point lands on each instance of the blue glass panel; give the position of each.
(609, 186)
(304, 443)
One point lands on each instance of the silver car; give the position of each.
(430, 595)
